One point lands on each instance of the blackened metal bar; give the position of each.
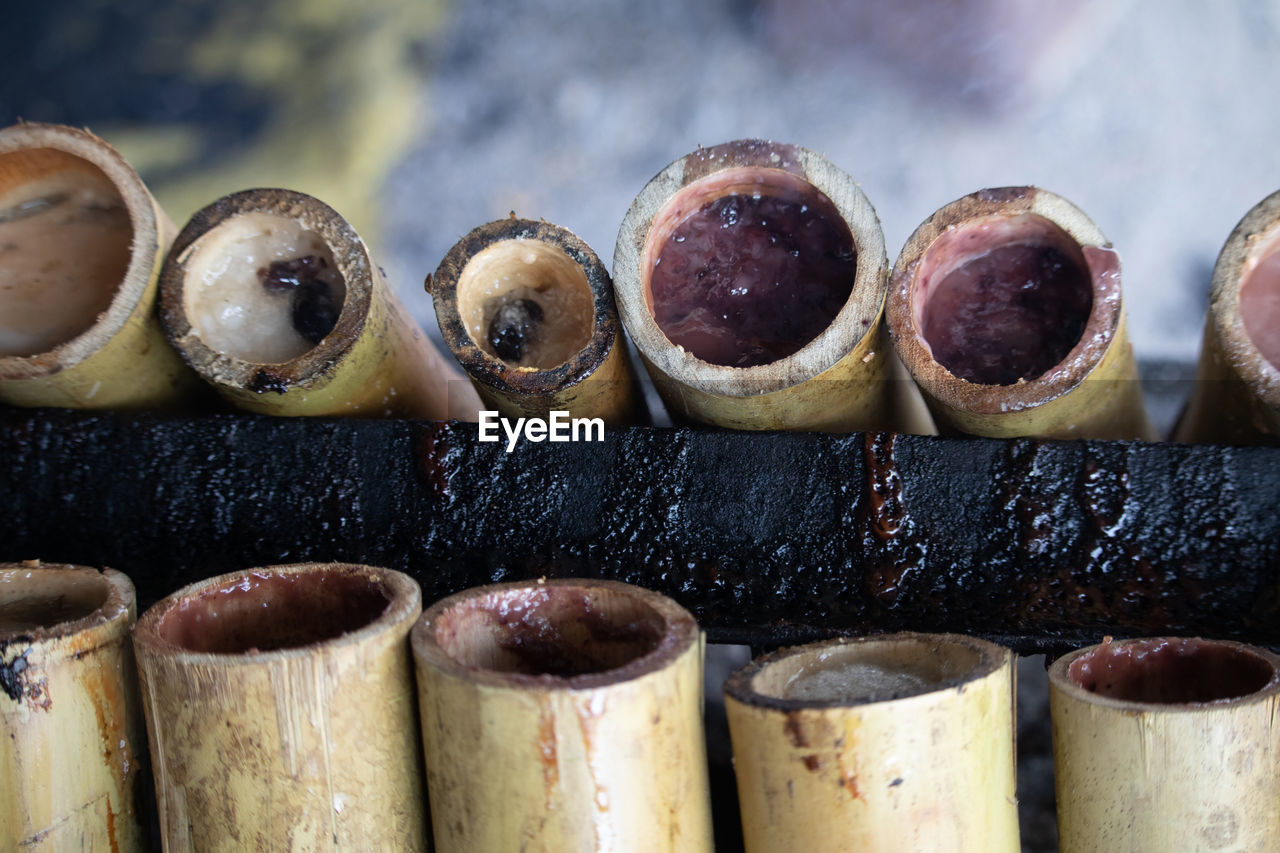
(769, 539)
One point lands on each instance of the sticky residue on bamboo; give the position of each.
(280, 711)
(901, 742)
(563, 715)
(71, 736)
(1166, 744)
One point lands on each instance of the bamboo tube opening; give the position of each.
(1166, 744)
(1243, 343)
(563, 714)
(1006, 308)
(557, 630)
(80, 242)
(845, 672)
(55, 600)
(1237, 394)
(879, 671)
(1000, 300)
(264, 611)
(71, 739)
(751, 277)
(49, 600)
(65, 245)
(747, 266)
(229, 313)
(280, 712)
(273, 298)
(527, 309)
(526, 303)
(1171, 671)
(882, 743)
(262, 288)
(1260, 299)
(937, 301)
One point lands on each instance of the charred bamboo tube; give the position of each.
(275, 301)
(751, 278)
(1005, 306)
(1166, 744)
(527, 309)
(280, 711)
(1237, 396)
(563, 715)
(81, 243)
(72, 746)
(900, 742)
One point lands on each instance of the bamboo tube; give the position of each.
(81, 243)
(527, 309)
(332, 339)
(563, 715)
(72, 750)
(280, 710)
(1166, 744)
(996, 358)
(839, 377)
(900, 742)
(1237, 393)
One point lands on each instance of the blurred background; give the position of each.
(421, 119)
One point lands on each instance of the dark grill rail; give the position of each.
(769, 539)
